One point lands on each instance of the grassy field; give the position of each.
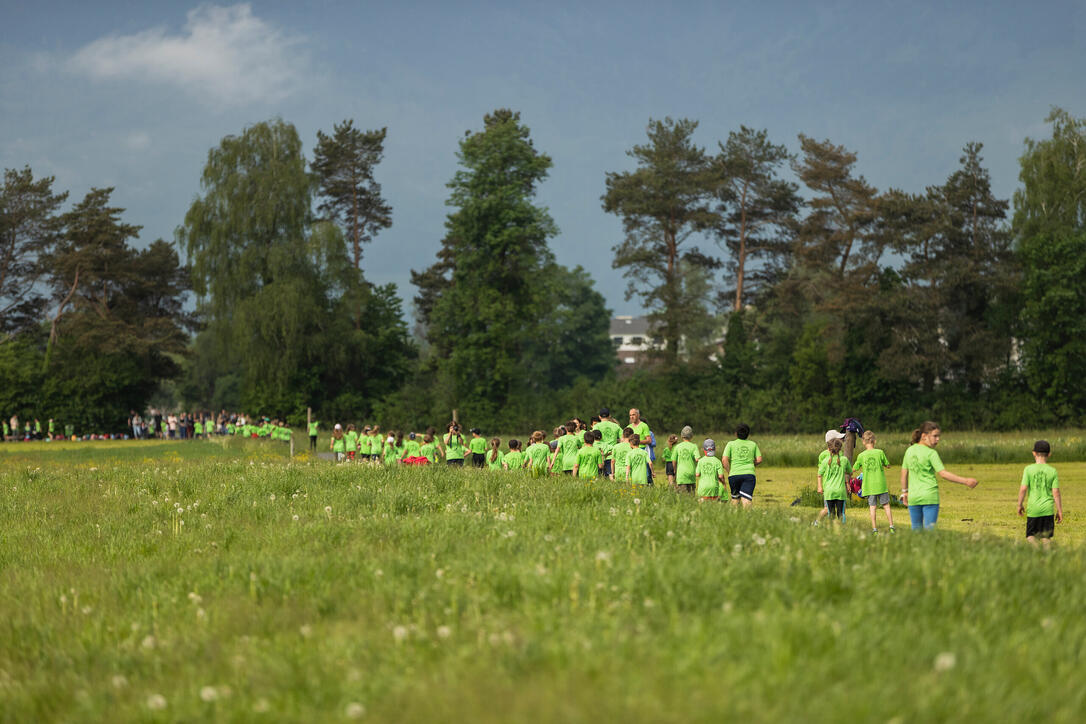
(183, 582)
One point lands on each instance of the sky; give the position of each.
(134, 93)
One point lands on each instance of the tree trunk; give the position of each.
(742, 249)
(56, 318)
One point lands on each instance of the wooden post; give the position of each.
(456, 418)
(849, 444)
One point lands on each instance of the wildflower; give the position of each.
(440, 573)
(444, 632)
(945, 661)
(306, 630)
(148, 642)
(399, 633)
(328, 509)
(156, 702)
(200, 613)
(671, 534)
(637, 501)
(649, 603)
(261, 705)
(603, 556)
(759, 539)
(378, 573)
(119, 681)
(195, 598)
(355, 710)
(209, 693)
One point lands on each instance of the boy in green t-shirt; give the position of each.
(669, 460)
(739, 458)
(589, 461)
(709, 473)
(514, 459)
(684, 456)
(477, 446)
(637, 462)
(872, 463)
(621, 452)
(1044, 508)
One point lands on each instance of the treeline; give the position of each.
(787, 290)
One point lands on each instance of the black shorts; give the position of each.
(742, 486)
(1041, 527)
(607, 464)
(836, 508)
(458, 462)
(478, 460)
(669, 468)
(567, 472)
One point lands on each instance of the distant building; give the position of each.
(631, 339)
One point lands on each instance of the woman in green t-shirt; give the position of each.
(919, 468)
(454, 445)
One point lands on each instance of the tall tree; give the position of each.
(344, 165)
(756, 206)
(495, 297)
(28, 227)
(662, 203)
(248, 239)
(1050, 229)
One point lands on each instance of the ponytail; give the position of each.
(924, 429)
(495, 443)
(834, 447)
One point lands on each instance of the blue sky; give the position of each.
(134, 94)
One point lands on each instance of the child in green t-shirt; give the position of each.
(833, 474)
(621, 453)
(339, 443)
(709, 473)
(477, 446)
(589, 460)
(350, 442)
(872, 463)
(669, 459)
(1044, 508)
(494, 454)
(514, 459)
(637, 462)
(537, 453)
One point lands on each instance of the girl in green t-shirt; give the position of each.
(494, 454)
(872, 464)
(339, 443)
(919, 468)
(833, 474)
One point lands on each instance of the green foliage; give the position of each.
(280, 298)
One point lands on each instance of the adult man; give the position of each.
(641, 429)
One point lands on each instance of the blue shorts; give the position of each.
(742, 486)
(924, 516)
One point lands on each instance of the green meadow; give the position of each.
(225, 581)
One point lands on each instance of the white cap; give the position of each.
(338, 426)
(834, 435)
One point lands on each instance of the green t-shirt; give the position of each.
(741, 455)
(428, 450)
(638, 463)
(376, 444)
(666, 454)
(364, 444)
(496, 463)
(1041, 479)
(52, 427)
(454, 446)
(351, 440)
(923, 464)
(872, 463)
(589, 461)
(567, 451)
(537, 455)
(834, 471)
(477, 445)
(230, 429)
(411, 449)
(198, 428)
(642, 429)
(313, 428)
(685, 457)
(610, 431)
(339, 444)
(622, 452)
(514, 460)
(392, 453)
(708, 471)
(580, 437)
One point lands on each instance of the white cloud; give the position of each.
(224, 54)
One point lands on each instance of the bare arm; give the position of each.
(820, 485)
(1022, 500)
(905, 485)
(758, 460)
(968, 482)
(1059, 505)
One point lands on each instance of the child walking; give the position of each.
(709, 473)
(669, 459)
(872, 463)
(339, 443)
(494, 454)
(833, 473)
(589, 460)
(1044, 508)
(514, 459)
(537, 454)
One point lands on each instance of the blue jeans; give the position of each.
(924, 516)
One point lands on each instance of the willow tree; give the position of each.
(248, 240)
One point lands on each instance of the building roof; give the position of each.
(627, 325)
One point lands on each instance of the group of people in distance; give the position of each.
(921, 467)
(600, 448)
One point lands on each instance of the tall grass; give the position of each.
(219, 589)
